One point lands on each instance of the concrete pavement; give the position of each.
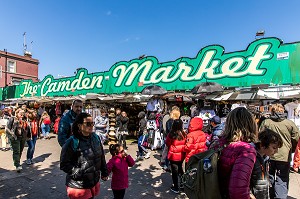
(44, 179)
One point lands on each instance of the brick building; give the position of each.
(14, 68)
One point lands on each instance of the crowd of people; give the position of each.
(21, 126)
(254, 162)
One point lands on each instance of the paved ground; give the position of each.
(44, 179)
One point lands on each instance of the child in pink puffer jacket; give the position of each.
(118, 165)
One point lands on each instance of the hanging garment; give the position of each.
(58, 108)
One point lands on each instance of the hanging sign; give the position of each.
(265, 61)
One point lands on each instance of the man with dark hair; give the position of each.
(65, 124)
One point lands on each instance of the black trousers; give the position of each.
(119, 194)
(122, 140)
(176, 168)
(279, 177)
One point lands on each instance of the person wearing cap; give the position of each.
(217, 128)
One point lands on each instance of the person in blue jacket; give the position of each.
(65, 123)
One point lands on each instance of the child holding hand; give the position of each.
(118, 165)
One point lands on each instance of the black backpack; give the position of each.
(201, 183)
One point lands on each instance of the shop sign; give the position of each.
(284, 55)
(258, 64)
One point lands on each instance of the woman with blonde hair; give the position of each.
(45, 125)
(174, 115)
(238, 155)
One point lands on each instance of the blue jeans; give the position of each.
(279, 177)
(31, 147)
(141, 148)
(45, 129)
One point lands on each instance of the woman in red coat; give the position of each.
(296, 164)
(196, 139)
(176, 144)
(237, 159)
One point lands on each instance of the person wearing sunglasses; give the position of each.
(83, 159)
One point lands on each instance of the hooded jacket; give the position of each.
(196, 138)
(288, 132)
(64, 127)
(84, 162)
(118, 165)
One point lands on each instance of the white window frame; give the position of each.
(14, 66)
(16, 81)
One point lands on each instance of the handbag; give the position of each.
(164, 154)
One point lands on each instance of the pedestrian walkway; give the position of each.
(44, 179)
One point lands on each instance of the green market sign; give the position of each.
(265, 61)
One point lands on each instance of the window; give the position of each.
(11, 66)
(1, 71)
(15, 81)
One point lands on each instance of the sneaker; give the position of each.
(147, 155)
(32, 162)
(19, 169)
(139, 158)
(174, 190)
(28, 162)
(167, 169)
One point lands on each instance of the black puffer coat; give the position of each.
(83, 159)
(124, 123)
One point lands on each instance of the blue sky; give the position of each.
(96, 34)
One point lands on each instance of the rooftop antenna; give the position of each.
(24, 42)
(26, 53)
(31, 44)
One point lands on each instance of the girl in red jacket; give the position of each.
(176, 144)
(196, 139)
(118, 165)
